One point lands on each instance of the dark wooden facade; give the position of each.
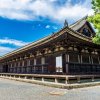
(69, 51)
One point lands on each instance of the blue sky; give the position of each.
(25, 21)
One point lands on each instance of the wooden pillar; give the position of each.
(22, 66)
(42, 62)
(33, 78)
(99, 59)
(25, 77)
(34, 64)
(92, 78)
(19, 77)
(34, 69)
(78, 79)
(18, 64)
(56, 80)
(67, 60)
(91, 60)
(42, 68)
(42, 79)
(81, 58)
(23, 63)
(66, 80)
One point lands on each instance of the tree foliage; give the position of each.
(95, 19)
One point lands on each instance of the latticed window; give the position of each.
(38, 60)
(15, 65)
(85, 59)
(20, 63)
(25, 63)
(73, 57)
(95, 59)
(28, 62)
(47, 59)
(31, 62)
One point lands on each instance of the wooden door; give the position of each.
(59, 64)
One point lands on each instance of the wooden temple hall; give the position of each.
(68, 51)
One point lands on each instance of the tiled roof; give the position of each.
(71, 29)
(77, 25)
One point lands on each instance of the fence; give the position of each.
(63, 79)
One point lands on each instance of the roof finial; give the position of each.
(65, 23)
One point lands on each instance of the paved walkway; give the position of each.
(14, 90)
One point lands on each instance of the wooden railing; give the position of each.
(63, 79)
(78, 68)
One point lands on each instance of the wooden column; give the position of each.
(42, 62)
(90, 59)
(22, 66)
(34, 64)
(99, 59)
(79, 60)
(67, 60)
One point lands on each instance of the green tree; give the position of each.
(95, 19)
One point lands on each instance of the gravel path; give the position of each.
(14, 90)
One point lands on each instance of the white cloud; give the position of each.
(54, 27)
(12, 42)
(4, 50)
(47, 26)
(32, 10)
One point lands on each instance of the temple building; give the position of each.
(68, 51)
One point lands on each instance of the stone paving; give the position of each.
(14, 90)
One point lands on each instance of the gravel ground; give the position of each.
(14, 90)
